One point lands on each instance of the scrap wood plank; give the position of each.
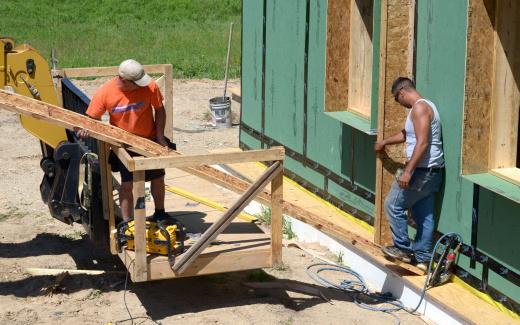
(70, 120)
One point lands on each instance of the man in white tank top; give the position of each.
(415, 186)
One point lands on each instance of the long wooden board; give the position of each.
(107, 71)
(273, 154)
(71, 120)
(397, 37)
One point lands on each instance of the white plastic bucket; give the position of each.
(220, 109)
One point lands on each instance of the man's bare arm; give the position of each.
(160, 123)
(399, 137)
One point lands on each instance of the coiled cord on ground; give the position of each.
(358, 290)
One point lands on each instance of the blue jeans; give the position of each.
(420, 198)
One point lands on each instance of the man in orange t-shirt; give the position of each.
(131, 99)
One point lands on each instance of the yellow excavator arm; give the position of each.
(24, 71)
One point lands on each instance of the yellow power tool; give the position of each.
(164, 237)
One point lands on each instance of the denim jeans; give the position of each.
(420, 198)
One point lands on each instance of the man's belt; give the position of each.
(430, 169)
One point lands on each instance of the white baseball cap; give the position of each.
(134, 71)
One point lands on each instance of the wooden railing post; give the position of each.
(106, 192)
(276, 218)
(140, 264)
(168, 100)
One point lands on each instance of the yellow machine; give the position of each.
(64, 157)
(165, 237)
(24, 71)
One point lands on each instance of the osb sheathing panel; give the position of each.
(478, 86)
(506, 93)
(338, 38)
(396, 57)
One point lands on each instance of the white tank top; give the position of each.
(433, 156)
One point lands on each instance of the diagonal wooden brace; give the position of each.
(209, 235)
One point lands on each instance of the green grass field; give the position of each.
(189, 34)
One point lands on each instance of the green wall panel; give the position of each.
(285, 48)
(440, 72)
(376, 53)
(252, 33)
(305, 172)
(351, 199)
(249, 141)
(441, 55)
(498, 228)
(329, 141)
(324, 140)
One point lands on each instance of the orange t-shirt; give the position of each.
(131, 111)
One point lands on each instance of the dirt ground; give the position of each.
(30, 238)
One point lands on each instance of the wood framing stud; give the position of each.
(178, 161)
(277, 218)
(125, 158)
(71, 120)
(395, 45)
(168, 100)
(106, 190)
(106, 71)
(140, 263)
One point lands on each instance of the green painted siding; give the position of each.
(285, 44)
(440, 75)
(329, 141)
(441, 55)
(252, 33)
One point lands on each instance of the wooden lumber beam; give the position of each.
(276, 218)
(396, 60)
(42, 271)
(107, 71)
(211, 234)
(168, 100)
(125, 158)
(107, 194)
(177, 161)
(141, 265)
(71, 120)
(511, 174)
(506, 87)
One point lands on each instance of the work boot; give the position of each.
(397, 253)
(422, 266)
(161, 215)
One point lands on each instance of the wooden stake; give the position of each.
(277, 218)
(141, 267)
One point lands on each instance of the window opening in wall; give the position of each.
(349, 56)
